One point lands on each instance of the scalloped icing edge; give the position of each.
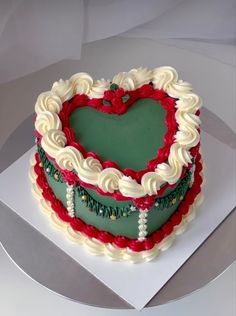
(97, 248)
(89, 169)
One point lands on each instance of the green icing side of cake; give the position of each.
(125, 226)
(130, 140)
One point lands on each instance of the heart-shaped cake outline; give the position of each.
(89, 170)
(146, 91)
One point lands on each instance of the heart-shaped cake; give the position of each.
(117, 163)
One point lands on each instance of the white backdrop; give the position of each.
(35, 34)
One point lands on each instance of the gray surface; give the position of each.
(45, 262)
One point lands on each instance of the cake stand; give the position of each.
(44, 262)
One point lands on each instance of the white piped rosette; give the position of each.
(89, 169)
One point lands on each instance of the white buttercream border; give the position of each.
(94, 246)
(89, 169)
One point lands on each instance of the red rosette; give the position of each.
(119, 93)
(119, 106)
(109, 94)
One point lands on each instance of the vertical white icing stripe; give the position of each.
(70, 200)
(142, 224)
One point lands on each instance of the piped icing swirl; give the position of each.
(68, 158)
(89, 169)
(81, 83)
(109, 179)
(63, 89)
(53, 141)
(46, 121)
(141, 76)
(48, 101)
(125, 80)
(151, 182)
(98, 88)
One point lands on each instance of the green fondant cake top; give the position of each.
(130, 140)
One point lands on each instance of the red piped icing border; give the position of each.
(119, 107)
(120, 241)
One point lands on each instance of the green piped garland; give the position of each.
(48, 166)
(101, 209)
(161, 203)
(176, 195)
